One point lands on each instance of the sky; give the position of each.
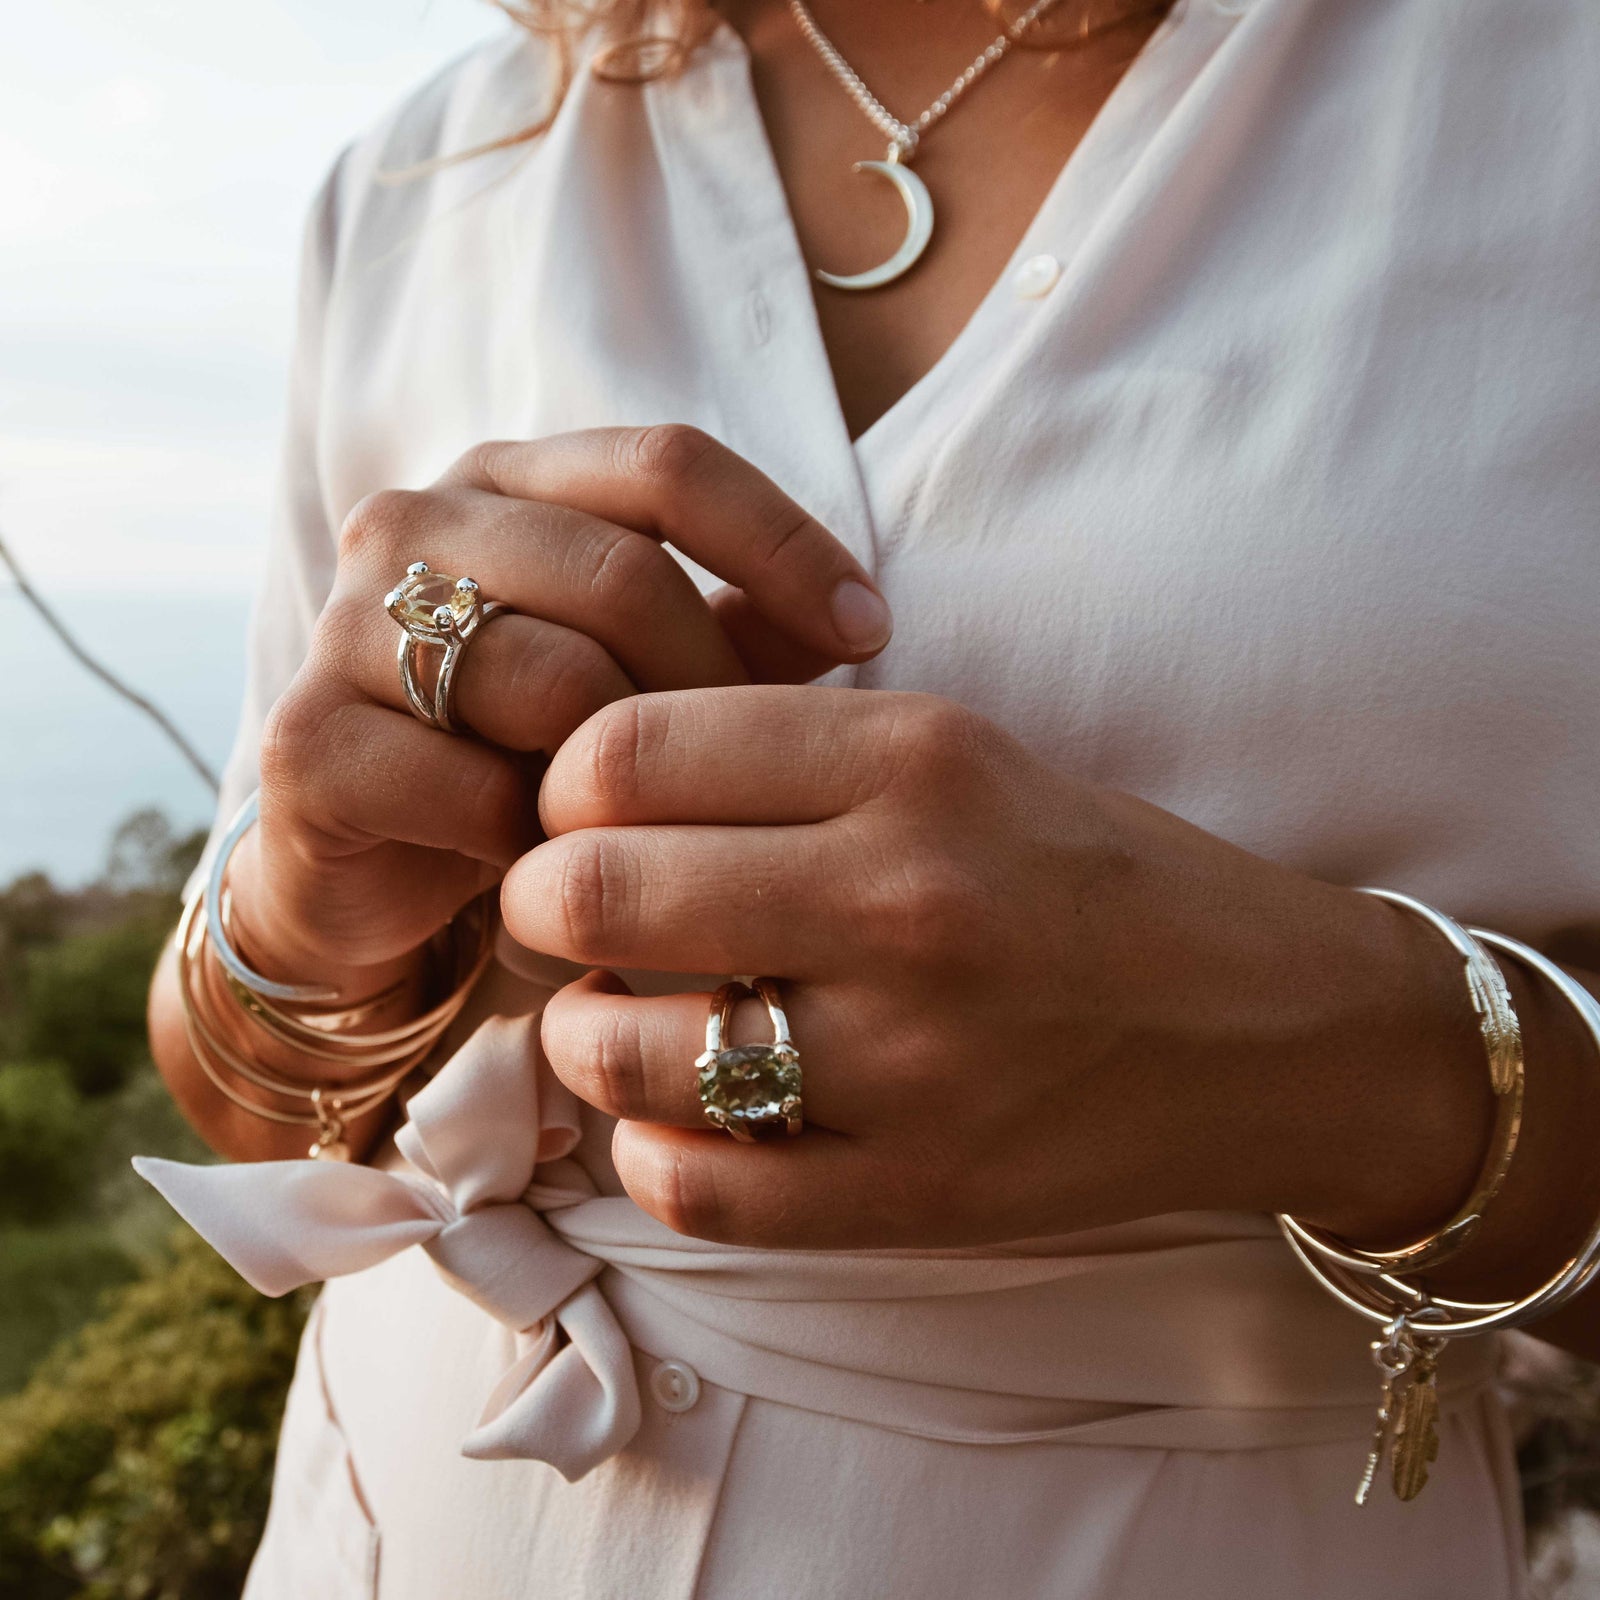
(156, 161)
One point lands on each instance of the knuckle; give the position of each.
(626, 578)
(292, 734)
(481, 464)
(932, 740)
(945, 727)
(376, 524)
(575, 680)
(946, 909)
(622, 740)
(781, 522)
(613, 1065)
(343, 628)
(926, 913)
(588, 883)
(522, 679)
(670, 452)
(683, 1193)
(491, 791)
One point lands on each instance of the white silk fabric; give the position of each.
(473, 1141)
(1262, 484)
(487, 1189)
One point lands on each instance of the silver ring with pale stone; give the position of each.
(436, 613)
(747, 1089)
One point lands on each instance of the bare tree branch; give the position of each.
(104, 673)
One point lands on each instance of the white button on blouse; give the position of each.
(675, 1385)
(1036, 277)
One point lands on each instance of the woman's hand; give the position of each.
(1023, 1005)
(376, 829)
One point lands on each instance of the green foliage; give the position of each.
(52, 1273)
(142, 1380)
(51, 1281)
(135, 1464)
(31, 912)
(44, 1140)
(75, 967)
(140, 1119)
(84, 1000)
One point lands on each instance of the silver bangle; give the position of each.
(1381, 1297)
(1417, 1324)
(216, 927)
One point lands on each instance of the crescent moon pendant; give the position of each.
(919, 229)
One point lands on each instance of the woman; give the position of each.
(1224, 468)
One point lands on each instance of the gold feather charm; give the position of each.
(1407, 1428)
(1414, 1442)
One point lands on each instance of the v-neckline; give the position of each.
(1093, 155)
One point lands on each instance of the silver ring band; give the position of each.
(440, 613)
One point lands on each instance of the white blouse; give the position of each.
(1263, 484)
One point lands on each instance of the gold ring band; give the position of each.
(748, 1089)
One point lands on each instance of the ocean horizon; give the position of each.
(159, 162)
(79, 759)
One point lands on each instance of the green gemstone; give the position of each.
(750, 1082)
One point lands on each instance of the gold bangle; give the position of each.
(1418, 1324)
(331, 1106)
(1502, 1039)
(325, 1044)
(330, 1109)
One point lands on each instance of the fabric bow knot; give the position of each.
(475, 1134)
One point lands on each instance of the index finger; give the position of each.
(754, 755)
(679, 484)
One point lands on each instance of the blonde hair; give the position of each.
(648, 39)
(645, 39)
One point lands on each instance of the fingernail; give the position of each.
(861, 616)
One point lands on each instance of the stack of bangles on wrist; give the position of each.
(363, 1068)
(1389, 1287)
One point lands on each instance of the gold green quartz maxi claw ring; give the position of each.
(436, 613)
(748, 1088)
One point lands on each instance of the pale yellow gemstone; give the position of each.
(419, 597)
